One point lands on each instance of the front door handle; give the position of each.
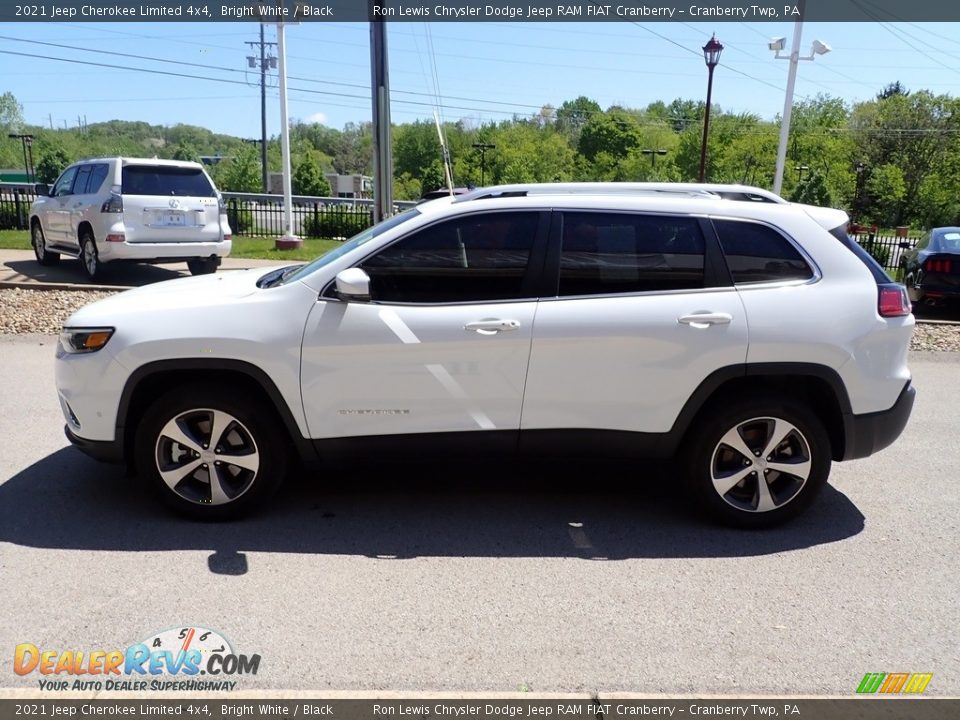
(705, 319)
(491, 327)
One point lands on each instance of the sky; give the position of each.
(195, 73)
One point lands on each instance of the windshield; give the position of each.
(356, 241)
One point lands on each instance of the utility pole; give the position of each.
(265, 63)
(382, 152)
(483, 147)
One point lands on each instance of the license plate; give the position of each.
(171, 217)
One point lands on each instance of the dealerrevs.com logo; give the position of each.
(190, 658)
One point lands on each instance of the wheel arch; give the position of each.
(154, 378)
(816, 385)
(85, 225)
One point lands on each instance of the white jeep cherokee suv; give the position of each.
(747, 337)
(111, 209)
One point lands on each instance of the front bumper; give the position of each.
(109, 451)
(872, 432)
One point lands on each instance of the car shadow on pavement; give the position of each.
(119, 274)
(595, 511)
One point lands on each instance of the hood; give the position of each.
(201, 291)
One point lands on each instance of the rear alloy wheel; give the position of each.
(39, 242)
(209, 455)
(89, 257)
(758, 463)
(203, 266)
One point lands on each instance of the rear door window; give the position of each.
(609, 253)
(80, 183)
(165, 180)
(757, 253)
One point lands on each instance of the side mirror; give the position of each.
(353, 284)
(42, 190)
(906, 245)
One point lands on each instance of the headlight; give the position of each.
(84, 340)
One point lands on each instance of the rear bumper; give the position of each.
(166, 251)
(871, 433)
(110, 451)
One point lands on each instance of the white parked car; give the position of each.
(147, 210)
(746, 337)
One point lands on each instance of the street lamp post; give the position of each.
(711, 56)
(777, 45)
(27, 142)
(483, 147)
(653, 152)
(800, 170)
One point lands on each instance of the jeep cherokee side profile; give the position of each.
(745, 336)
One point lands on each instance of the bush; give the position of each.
(240, 219)
(335, 222)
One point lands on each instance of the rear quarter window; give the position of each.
(165, 180)
(757, 253)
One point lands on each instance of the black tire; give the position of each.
(755, 421)
(38, 240)
(249, 432)
(203, 266)
(89, 256)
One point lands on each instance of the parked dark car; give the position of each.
(931, 269)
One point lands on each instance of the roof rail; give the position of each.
(744, 193)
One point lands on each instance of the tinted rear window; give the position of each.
(164, 180)
(757, 253)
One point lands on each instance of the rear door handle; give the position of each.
(705, 320)
(491, 327)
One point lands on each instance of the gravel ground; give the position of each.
(43, 311)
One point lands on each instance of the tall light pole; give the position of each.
(483, 147)
(27, 142)
(382, 140)
(289, 240)
(711, 56)
(777, 45)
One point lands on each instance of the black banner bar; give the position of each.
(712, 11)
(600, 708)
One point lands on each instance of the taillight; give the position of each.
(113, 205)
(938, 265)
(893, 301)
(116, 237)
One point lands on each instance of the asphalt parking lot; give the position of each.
(495, 577)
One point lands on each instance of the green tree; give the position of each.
(308, 179)
(241, 173)
(812, 190)
(887, 188)
(614, 132)
(11, 113)
(572, 115)
(51, 164)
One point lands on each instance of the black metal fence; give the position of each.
(15, 206)
(885, 249)
(249, 214)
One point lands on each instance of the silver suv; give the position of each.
(111, 209)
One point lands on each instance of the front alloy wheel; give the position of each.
(207, 456)
(209, 452)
